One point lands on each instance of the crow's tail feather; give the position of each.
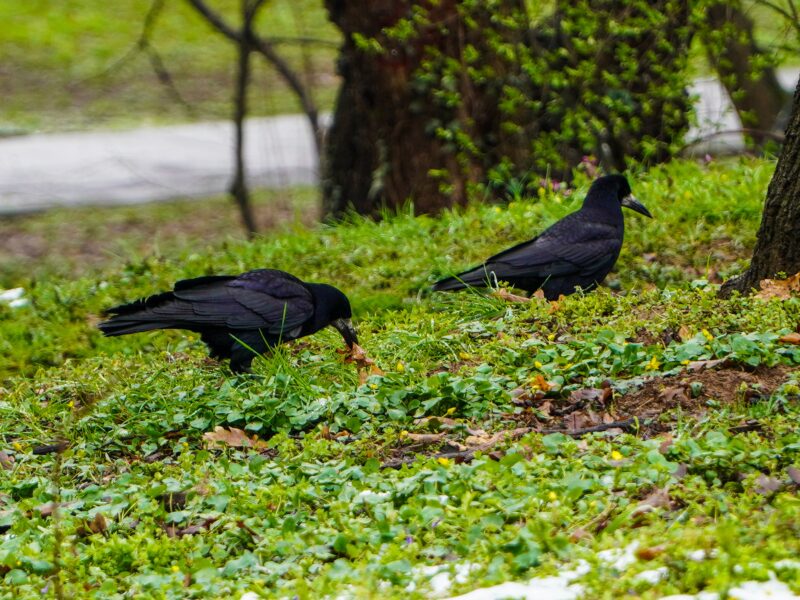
(477, 277)
(136, 317)
(126, 325)
(448, 284)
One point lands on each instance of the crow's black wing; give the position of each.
(572, 245)
(263, 299)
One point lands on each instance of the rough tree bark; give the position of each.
(381, 148)
(778, 242)
(731, 48)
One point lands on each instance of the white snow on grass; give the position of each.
(540, 588)
(620, 558)
(557, 587)
(14, 297)
(440, 578)
(762, 590)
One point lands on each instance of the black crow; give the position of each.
(577, 251)
(239, 316)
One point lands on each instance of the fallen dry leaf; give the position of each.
(658, 498)
(794, 474)
(509, 297)
(45, 509)
(674, 396)
(538, 294)
(700, 365)
(540, 383)
(425, 438)
(581, 420)
(666, 444)
(779, 288)
(365, 365)
(650, 552)
(684, 333)
(790, 338)
(766, 486)
(233, 437)
(6, 461)
(98, 524)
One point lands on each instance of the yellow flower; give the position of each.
(71, 403)
(497, 209)
(464, 355)
(568, 366)
(653, 364)
(450, 410)
(684, 362)
(373, 386)
(17, 446)
(445, 462)
(552, 496)
(400, 367)
(616, 455)
(551, 336)
(537, 364)
(175, 568)
(403, 434)
(707, 334)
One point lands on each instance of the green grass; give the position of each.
(57, 56)
(317, 516)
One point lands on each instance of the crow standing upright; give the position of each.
(577, 251)
(239, 316)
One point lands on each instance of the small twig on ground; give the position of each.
(631, 424)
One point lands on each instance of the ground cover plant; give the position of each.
(640, 440)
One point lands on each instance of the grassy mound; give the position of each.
(640, 439)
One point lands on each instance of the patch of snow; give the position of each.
(540, 588)
(250, 596)
(12, 294)
(19, 303)
(700, 596)
(558, 587)
(364, 494)
(787, 563)
(620, 558)
(653, 576)
(762, 590)
(697, 555)
(440, 580)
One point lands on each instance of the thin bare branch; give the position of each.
(265, 48)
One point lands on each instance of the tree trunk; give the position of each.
(732, 49)
(778, 243)
(467, 96)
(380, 148)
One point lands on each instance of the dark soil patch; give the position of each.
(690, 391)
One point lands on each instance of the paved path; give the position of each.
(42, 171)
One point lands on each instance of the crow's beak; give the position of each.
(345, 327)
(631, 202)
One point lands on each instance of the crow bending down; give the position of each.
(577, 251)
(239, 316)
